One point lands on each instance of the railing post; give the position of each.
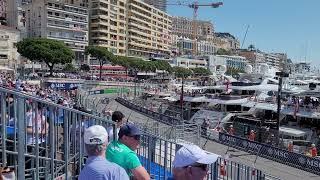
(37, 124)
(165, 159)
(66, 141)
(4, 129)
(21, 137)
(52, 141)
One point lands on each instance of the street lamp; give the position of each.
(135, 83)
(280, 75)
(181, 97)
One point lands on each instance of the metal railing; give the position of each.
(43, 140)
(176, 128)
(283, 156)
(157, 155)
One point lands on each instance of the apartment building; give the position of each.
(3, 9)
(9, 56)
(188, 62)
(215, 61)
(159, 4)
(183, 27)
(61, 21)
(130, 27)
(226, 41)
(108, 24)
(184, 46)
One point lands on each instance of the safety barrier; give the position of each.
(157, 155)
(280, 155)
(299, 161)
(43, 140)
(176, 130)
(40, 139)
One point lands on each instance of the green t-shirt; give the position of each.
(123, 156)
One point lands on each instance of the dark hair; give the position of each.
(117, 116)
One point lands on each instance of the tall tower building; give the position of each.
(159, 4)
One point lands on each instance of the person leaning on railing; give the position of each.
(122, 152)
(97, 166)
(192, 163)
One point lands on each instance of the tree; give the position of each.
(49, 51)
(223, 52)
(200, 71)
(163, 65)
(69, 68)
(85, 67)
(181, 72)
(102, 55)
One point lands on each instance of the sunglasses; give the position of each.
(204, 167)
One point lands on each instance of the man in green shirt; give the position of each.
(122, 152)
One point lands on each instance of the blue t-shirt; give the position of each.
(98, 168)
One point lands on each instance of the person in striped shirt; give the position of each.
(97, 166)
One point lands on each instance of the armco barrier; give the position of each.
(296, 160)
(160, 117)
(285, 157)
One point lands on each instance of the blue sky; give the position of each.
(290, 26)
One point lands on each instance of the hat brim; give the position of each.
(208, 159)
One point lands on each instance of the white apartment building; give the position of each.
(130, 27)
(188, 62)
(56, 19)
(237, 62)
(9, 56)
(184, 46)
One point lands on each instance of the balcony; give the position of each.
(69, 19)
(67, 27)
(76, 39)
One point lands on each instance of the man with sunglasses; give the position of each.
(192, 163)
(122, 152)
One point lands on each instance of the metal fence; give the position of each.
(40, 139)
(175, 130)
(157, 155)
(283, 156)
(43, 140)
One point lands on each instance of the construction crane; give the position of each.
(195, 6)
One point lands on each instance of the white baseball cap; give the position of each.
(190, 154)
(95, 135)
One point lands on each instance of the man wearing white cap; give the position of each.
(97, 166)
(192, 163)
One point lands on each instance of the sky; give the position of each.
(289, 26)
